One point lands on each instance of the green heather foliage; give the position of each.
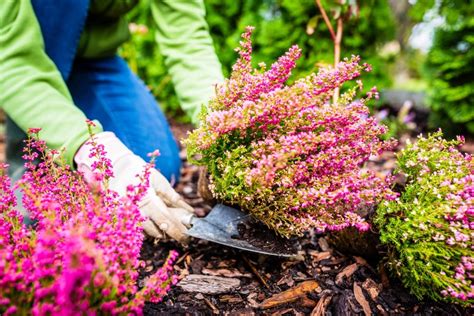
(450, 66)
(430, 228)
(285, 153)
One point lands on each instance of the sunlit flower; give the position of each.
(285, 153)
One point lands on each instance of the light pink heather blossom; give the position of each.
(285, 153)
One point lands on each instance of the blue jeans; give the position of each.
(106, 90)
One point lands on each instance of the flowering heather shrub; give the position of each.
(82, 255)
(284, 153)
(430, 228)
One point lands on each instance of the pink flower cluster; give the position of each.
(462, 218)
(285, 153)
(464, 274)
(82, 255)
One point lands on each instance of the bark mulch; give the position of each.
(321, 281)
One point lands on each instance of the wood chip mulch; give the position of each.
(321, 281)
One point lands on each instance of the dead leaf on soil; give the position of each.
(319, 256)
(320, 309)
(360, 298)
(181, 272)
(290, 295)
(347, 272)
(244, 312)
(228, 273)
(372, 288)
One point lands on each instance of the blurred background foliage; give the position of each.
(380, 31)
(450, 68)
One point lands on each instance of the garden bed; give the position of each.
(321, 280)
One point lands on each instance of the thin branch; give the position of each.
(337, 42)
(326, 19)
(337, 51)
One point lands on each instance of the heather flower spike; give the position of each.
(82, 257)
(285, 153)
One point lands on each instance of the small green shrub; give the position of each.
(430, 228)
(285, 153)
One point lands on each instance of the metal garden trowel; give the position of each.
(221, 226)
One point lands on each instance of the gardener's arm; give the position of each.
(184, 40)
(32, 92)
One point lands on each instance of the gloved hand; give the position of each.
(164, 209)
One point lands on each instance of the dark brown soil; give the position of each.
(260, 236)
(352, 242)
(263, 276)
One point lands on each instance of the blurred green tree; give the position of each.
(279, 24)
(282, 23)
(450, 67)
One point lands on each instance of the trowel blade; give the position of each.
(220, 226)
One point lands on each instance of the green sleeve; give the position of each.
(183, 37)
(106, 28)
(32, 92)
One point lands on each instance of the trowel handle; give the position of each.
(185, 217)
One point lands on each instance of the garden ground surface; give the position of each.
(322, 281)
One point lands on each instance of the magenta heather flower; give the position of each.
(284, 153)
(83, 254)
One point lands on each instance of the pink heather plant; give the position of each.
(430, 228)
(82, 256)
(284, 153)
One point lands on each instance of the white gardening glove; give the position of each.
(164, 209)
